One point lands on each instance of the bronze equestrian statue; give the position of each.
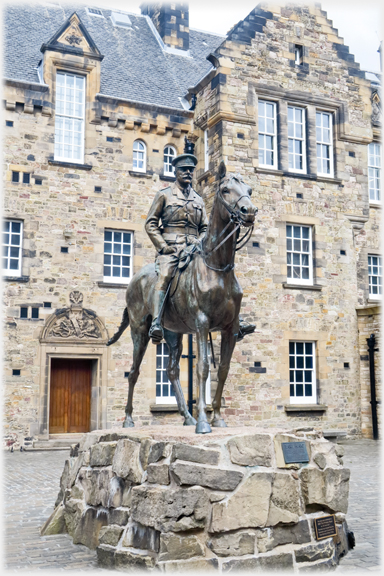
(192, 287)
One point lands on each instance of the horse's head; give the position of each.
(235, 196)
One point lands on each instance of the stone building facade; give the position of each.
(96, 105)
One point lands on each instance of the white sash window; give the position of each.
(69, 117)
(302, 373)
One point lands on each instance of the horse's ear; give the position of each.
(222, 170)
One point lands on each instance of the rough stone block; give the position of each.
(130, 561)
(126, 461)
(73, 512)
(118, 516)
(175, 547)
(195, 566)
(297, 534)
(327, 488)
(87, 530)
(157, 452)
(324, 454)
(247, 508)
(178, 510)
(195, 454)
(143, 537)
(251, 450)
(275, 562)
(110, 535)
(314, 552)
(101, 487)
(215, 478)
(285, 500)
(235, 544)
(55, 523)
(102, 453)
(158, 473)
(105, 556)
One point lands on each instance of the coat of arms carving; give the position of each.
(74, 322)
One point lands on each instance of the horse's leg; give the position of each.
(140, 340)
(175, 346)
(228, 341)
(202, 371)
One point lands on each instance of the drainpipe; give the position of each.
(371, 341)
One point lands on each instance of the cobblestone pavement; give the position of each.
(363, 458)
(32, 484)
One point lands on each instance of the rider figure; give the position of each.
(184, 222)
(183, 225)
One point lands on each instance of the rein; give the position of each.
(235, 218)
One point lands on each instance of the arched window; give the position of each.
(169, 155)
(139, 156)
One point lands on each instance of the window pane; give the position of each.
(299, 348)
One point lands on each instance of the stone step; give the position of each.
(55, 442)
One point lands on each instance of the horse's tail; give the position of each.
(124, 324)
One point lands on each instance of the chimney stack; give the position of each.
(171, 21)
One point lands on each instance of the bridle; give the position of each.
(235, 218)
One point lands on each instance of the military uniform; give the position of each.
(184, 222)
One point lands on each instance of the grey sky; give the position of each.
(359, 23)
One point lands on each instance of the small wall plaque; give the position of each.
(295, 452)
(325, 527)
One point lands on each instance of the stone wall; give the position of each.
(167, 498)
(255, 63)
(369, 320)
(60, 208)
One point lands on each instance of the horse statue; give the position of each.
(205, 297)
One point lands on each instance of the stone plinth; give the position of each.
(168, 498)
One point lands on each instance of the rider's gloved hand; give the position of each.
(168, 250)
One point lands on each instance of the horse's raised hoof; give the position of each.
(190, 421)
(128, 422)
(219, 423)
(203, 428)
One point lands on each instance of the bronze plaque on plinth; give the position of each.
(325, 527)
(294, 452)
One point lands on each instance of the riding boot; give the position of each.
(156, 330)
(244, 328)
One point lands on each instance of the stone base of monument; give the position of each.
(167, 498)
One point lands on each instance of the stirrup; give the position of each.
(156, 333)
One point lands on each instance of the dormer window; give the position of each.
(69, 120)
(298, 55)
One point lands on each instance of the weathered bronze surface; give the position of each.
(325, 527)
(203, 297)
(294, 452)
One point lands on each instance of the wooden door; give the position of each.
(70, 396)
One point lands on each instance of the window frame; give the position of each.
(169, 399)
(330, 144)
(303, 140)
(374, 168)
(302, 281)
(379, 265)
(166, 172)
(136, 168)
(63, 158)
(273, 166)
(7, 271)
(117, 279)
(295, 399)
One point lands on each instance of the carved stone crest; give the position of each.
(74, 322)
(73, 40)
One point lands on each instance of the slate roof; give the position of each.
(134, 66)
